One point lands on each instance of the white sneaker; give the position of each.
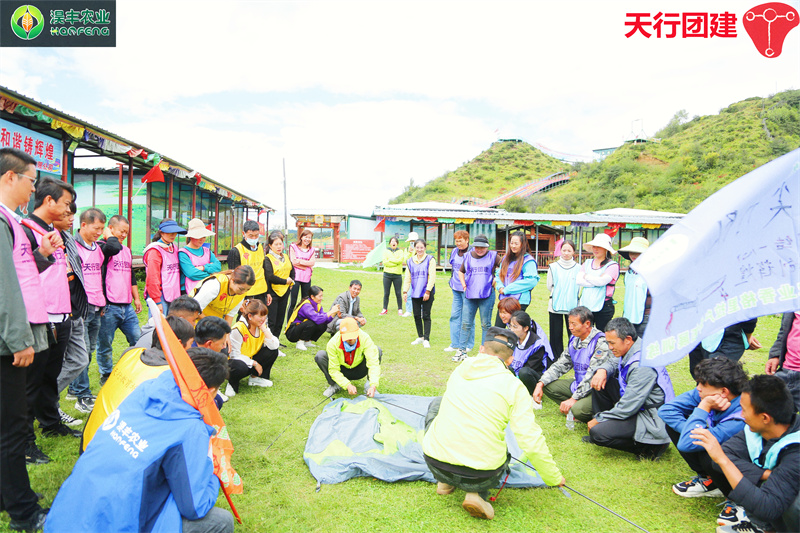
(223, 397)
(258, 382)
(301, 345)
(426, 344)
(459, 356)
(450, 349)
(68, 420)
(536, 405)
(406, 314)
(310, 344)
(331, 390)
(419, 340)
(229, 392)
(281, 354)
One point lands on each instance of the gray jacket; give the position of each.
(343, 301)
(642, 399)
(602, 355)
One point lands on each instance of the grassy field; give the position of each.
(280, 493)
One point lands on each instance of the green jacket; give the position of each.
(481, 399)
(393, 261)
(366, 349)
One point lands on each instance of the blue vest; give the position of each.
(594, 297)
(521, 355)
(755, 443)
(509, 279)
(565, 290)
(635, 297)
(479, 275)
(663, 379)
(581, 358)
(712, 342)
(455, 262)
(419, 276)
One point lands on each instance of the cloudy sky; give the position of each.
(359, 98)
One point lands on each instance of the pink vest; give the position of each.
(54, 278)
(27, 273)
(93, 274)
(197, 261)
(170, 271)
(303, 273)
(118, 277)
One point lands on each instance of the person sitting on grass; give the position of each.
(762, 462)
(625, 403)
(713, 404)
(309, 321)
(464, 444)
(505, 308)
(532, 353)
(253, 348)
(350, 355)
(587, 350)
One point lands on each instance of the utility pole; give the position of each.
(285, 208)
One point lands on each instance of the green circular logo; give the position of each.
(27, 22)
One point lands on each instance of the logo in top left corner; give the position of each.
(27, 22)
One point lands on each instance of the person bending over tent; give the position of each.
(587, 350)
(761, 462)
(464, 444)
(350, 354)
(713, 404)
(626, 402)
(154, 452)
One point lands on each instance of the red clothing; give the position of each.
(152, 282)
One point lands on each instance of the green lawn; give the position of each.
(280, 493)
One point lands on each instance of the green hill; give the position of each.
(503, 167)
(693, 159)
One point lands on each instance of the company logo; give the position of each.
(27, 22)
(768, 24)
(111, 421)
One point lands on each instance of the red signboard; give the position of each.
(356, 250)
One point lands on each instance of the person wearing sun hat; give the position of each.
(196, 258)
(636, 307)
(162, 265)
(598, 277)
(350, 355)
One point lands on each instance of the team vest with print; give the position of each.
(170, 271)
(27, 273)
(594, 297)
(303, 274)
(256, 262)
(455, 262)
(509, 279)
(197, 261)
(521, 355)
(250, 344)
(293, 319)
(93, 274)
(565, 287)
(223, 303)
(479, 275)
(581, 357)
(54, 278)
(663, 379)
(118, 278)
(281, 270)
(419, 276)
(635, 297)
(755, 444)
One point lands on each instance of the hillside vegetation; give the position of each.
(693, 159)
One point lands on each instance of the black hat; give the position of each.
(481, 242)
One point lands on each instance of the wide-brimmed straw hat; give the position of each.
(413, 236)
(601, 240)
(637, 246)
(197, 230)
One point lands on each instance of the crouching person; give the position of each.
(350, 355)
(464, 444)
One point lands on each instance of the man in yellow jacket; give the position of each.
(350, 355)
(464, 444)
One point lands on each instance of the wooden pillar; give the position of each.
(65, 162)
(119, 190)
(336, 242)
(216, 222)
(169, 209)
(194, 197)
(130, 202)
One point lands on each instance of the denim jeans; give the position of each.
(471, 306)
(455, 323)
(91, 328)
(121, 317)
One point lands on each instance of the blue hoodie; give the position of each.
(683, 415)
(147, 467)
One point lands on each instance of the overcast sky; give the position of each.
(361, 97)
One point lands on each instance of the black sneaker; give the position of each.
(61, 431)
(84, 405)
(653, 452)
(35, 456)
(34, 523)
(104, 378)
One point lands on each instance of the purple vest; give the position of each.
(509, 279)
(479, 275)
(93, 274)
(170, 271)
(118, 277)
(663, 379)
(521, 355)
(197, 260)
(303, 274)
(419, 276)
(581, 359)
(455, 262)
(54, 278)
(27, 273)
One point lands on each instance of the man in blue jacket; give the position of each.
(148, 467)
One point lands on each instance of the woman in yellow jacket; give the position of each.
(419, 286)
(279, 273)
(222, 294)
(253, 349)
(393, 259)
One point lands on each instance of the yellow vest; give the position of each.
(256, 261)
(224, 302)
(250, 344)
(280, 270)
(317, 307)
(128, 374)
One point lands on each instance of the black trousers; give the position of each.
(499, 323)
(529, 377)
(701, 463)
(422, 316)
(239, 369)
(388, 281)
(307, 330)
(357, 372)
(277, 312)
(558, 323)
(16, 495)
(300, 287)
(41, 386)
(604, 315)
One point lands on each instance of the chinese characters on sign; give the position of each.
(686, 25)
(88, 21)
(40, 147)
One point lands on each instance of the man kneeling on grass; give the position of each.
(464, 444)
(762, 462)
